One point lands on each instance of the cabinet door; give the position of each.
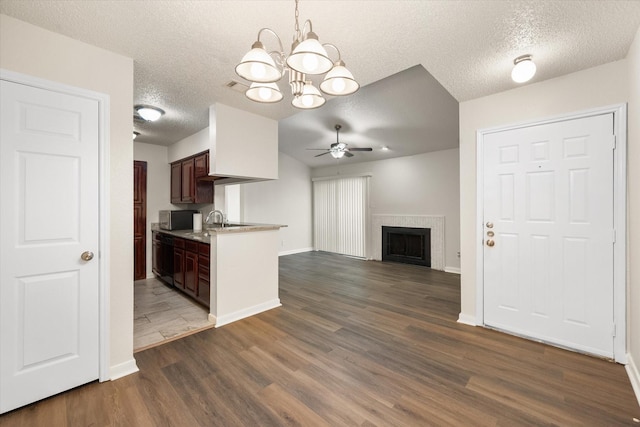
(176, 182)
(204, 188)
(201, 165)
(188, 181)
(191, 273)
(204, 287)
(178, 268)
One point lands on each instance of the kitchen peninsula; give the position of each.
(242, 268)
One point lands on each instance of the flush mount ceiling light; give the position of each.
(307, 57)
(523, 69)
(149, 113)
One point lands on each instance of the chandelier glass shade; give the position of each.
(309, 98)
(339, 81)
(264, 92)
(308, 57)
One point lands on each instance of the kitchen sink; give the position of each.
(218, 225)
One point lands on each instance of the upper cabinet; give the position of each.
(187, 185)
(176, 182)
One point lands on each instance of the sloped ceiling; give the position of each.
(186, 51)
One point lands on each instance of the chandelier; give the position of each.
(308, 57)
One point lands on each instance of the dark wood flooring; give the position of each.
(356, 343)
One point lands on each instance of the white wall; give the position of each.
(591, 88)
(424, 184)
(286, 201)
(193, 144)
(158, 185)
(37, 52)
(243, 144)
(633, 162)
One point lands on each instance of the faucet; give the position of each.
(212, 214)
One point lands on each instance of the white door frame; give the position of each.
(103, 199)
(619, 216)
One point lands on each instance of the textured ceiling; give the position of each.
(185, 51)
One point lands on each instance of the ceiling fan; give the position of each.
(339, 149)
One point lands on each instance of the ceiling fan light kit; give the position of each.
(308, 57)
(339, 149)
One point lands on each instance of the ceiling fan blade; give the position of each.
(348, 154)
(322, 154)
(361, 149)
(317, 149)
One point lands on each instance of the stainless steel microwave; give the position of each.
(176, 220)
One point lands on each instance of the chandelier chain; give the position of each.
(297, 35)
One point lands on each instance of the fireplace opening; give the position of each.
(407, 245)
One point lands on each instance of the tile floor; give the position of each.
(162, 313)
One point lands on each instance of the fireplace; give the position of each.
(408, 245)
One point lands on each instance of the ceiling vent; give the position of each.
(237, 86)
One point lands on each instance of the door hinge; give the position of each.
(614, 235)
(614, 330)
(613, 142)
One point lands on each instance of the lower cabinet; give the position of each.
(191, 268)
(178, 263)
(190, 262)
(204, 288)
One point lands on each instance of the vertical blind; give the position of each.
(340, 215)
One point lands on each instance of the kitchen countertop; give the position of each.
(206, 233)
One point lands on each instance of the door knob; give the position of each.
(490, 243)
(489, 225)
(87, 256)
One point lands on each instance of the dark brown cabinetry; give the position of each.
(178, 263)
(191, 268)
(189, 265)
(176, 182)
(187, 183)
(201, 165)
(204, 287)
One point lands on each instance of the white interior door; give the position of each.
(49, 308)
(548, 200)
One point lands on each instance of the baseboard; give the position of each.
(466, 319)
(634, 376)
(123, 369)
(151, 276)
(455, 270)
(295, 251)
(241, 314)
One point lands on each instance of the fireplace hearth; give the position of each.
(407, 245)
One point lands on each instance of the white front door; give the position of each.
(49, 304)
(548, 200)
